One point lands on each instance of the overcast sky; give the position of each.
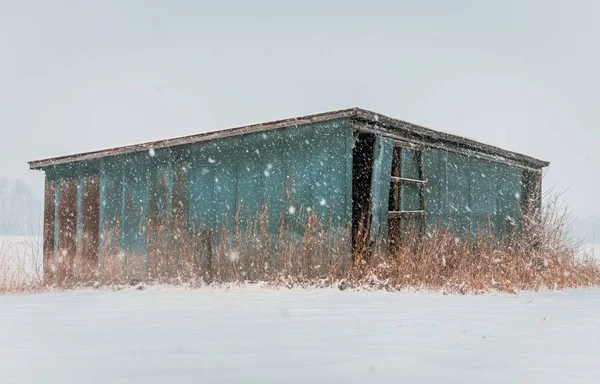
(522, 75)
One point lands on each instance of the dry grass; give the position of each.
(20, 264)
(304, 249)
(543, 255)
(307, 251)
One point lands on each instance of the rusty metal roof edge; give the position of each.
(396, 124)
(205, 136)
(358, 113)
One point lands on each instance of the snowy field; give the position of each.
(260, 335)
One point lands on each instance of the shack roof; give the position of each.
(372, 119)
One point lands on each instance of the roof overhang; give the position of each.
(375, 120)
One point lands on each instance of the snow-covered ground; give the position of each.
(257, 335)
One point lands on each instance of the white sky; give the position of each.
(79, 76)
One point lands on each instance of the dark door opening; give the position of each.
(362, 171)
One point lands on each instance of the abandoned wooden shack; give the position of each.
(349, 167)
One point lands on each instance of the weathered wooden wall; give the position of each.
(130, 205)
(49, 231)
(88, 230)
(465, 193)
(470, 194)
(127, 206)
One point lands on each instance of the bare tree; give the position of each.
(20, 209)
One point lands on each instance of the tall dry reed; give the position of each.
(307, 250)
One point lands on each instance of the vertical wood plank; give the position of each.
(67, 227)
(159, 219)
(396, 166)
(422, 191)
(180, 208)
(48, 242)
(90, 226)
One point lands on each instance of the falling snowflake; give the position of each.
(233, 256)
(151, 152)
(211, 160)
(323, 202)
(292, 210)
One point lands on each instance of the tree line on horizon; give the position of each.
(21, 211)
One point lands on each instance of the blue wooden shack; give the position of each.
(350, 167)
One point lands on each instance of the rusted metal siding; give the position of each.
(302, 168)
(160, 216)
(138, 203)
(89, 230)
(67, 227)
(180, 198)
(126, 207)
(464, 193)
(111, 202)
(49, 213)
(180, 209)
(469, 194)
(135, 218)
